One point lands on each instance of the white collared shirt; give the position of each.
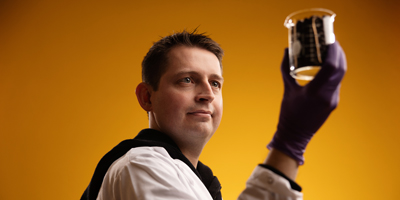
(151, 173)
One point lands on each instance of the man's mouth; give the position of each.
(204, 113)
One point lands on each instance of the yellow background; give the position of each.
(68, 72)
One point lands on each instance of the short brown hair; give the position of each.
(154, 63)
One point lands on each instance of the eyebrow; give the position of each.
(213, 76)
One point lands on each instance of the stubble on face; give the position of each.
(188, 104)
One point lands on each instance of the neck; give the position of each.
(190, 144)
(191, 148)
(192, 156)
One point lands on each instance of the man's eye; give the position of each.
(215, 84)
(187, 80)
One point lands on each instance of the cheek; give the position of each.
(220, 102)
(218, 107)
(173, 102)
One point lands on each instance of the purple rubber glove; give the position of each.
(305, 109)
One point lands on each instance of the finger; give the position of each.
(332, 70)
(331, 96)
(288, 80)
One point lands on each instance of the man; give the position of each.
(182, 94)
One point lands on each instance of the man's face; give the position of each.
(188, 103)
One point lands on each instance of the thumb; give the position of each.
(288, 80)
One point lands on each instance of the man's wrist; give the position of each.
(282, 162)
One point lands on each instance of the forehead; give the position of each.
(184, 58)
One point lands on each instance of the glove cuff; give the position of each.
(294, 147)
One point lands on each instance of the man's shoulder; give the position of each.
(145, 158)
(144, 154)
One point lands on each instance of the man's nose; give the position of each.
(205, 93)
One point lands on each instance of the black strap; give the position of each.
(293, 184)
(149, 137)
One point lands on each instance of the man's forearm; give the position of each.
(283, 163)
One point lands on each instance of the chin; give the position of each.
(202, 132)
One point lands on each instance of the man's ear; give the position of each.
(143, 94)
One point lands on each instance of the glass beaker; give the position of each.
(310, 33)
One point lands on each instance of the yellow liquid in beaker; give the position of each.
(304, 75)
